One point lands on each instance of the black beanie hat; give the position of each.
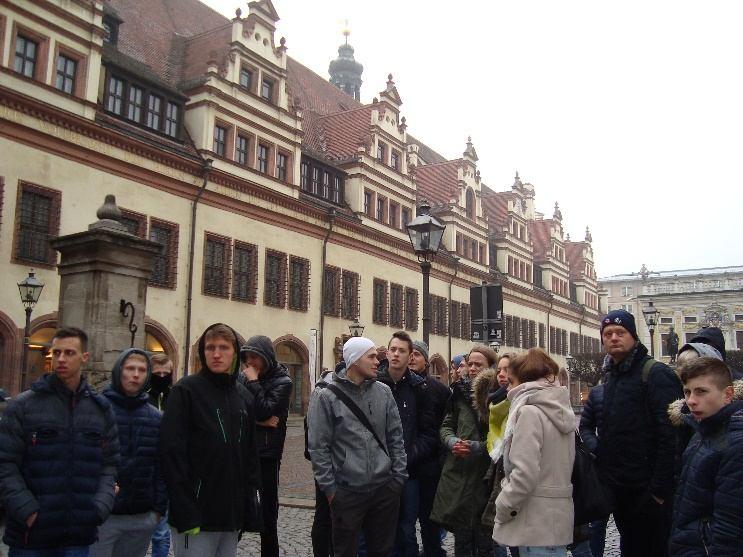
(623, 319)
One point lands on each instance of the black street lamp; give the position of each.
(30, 289)
(650, 313)
(425, 234)
(356, 329)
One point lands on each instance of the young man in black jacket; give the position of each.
(208, 452)
(59, 449)
(271, 387)
(419, 432)
(429, 471)
(636, 441)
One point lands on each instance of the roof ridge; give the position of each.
(198, 35)
(366, 106)
(438, 163)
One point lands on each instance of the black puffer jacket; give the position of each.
(636, 441)
(58, 457)
(420, 432)
(141, 484)
(272, 392)
(592, 417)
(707, 512)
(208, 451)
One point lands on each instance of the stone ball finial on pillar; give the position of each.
(109, 216)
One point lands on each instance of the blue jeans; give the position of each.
(597, 537)
(161, 538)
(543, 551)
(406, 543)
(73, 551)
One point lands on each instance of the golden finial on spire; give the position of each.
(346, 30)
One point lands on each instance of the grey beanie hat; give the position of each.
(421, 347)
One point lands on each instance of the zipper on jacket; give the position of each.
(221, 425)
(240, 431)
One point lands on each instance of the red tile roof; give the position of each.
(200, 49)
(574, 254)
(495, 206)
(438, 183)
(540, 233)
(152, 31)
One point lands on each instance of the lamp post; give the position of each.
(425, 234)
(650, 313)
(355, 328)
(30, 289)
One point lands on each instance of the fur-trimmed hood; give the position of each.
(677, 409)
(482, 384)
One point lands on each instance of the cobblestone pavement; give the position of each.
(294, 536)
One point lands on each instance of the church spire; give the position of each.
(345, 72)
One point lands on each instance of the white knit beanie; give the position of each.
(354, 348)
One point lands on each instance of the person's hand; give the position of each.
(250, 373)
(116, 489)
(273, 421)
(461, 448)
(31, 519)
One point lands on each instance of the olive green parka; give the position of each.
(462, 492)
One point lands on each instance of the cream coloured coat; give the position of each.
(535, 505)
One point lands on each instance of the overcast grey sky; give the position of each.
(630, 113)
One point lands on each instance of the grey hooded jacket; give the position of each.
(343, 452)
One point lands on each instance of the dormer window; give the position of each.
(142, 105)
(381, 152)
(267, 89)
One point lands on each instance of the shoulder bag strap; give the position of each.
(352, 406)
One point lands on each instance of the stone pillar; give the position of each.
(101, 270)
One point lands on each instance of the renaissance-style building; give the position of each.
(263, 181)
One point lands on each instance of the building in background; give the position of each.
(279, 197)
(686, 299)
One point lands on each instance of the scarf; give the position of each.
(498, 416)
(518, 396)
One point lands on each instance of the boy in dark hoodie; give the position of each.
(708, 517)
(208, 452)
(271, 387)
(141, 499)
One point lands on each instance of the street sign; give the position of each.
(486, 312)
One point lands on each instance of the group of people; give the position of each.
(489, 458)
(145, 462)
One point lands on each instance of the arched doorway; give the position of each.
(291, 352)
(10, 346)
(39, 355)
(159, 340)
